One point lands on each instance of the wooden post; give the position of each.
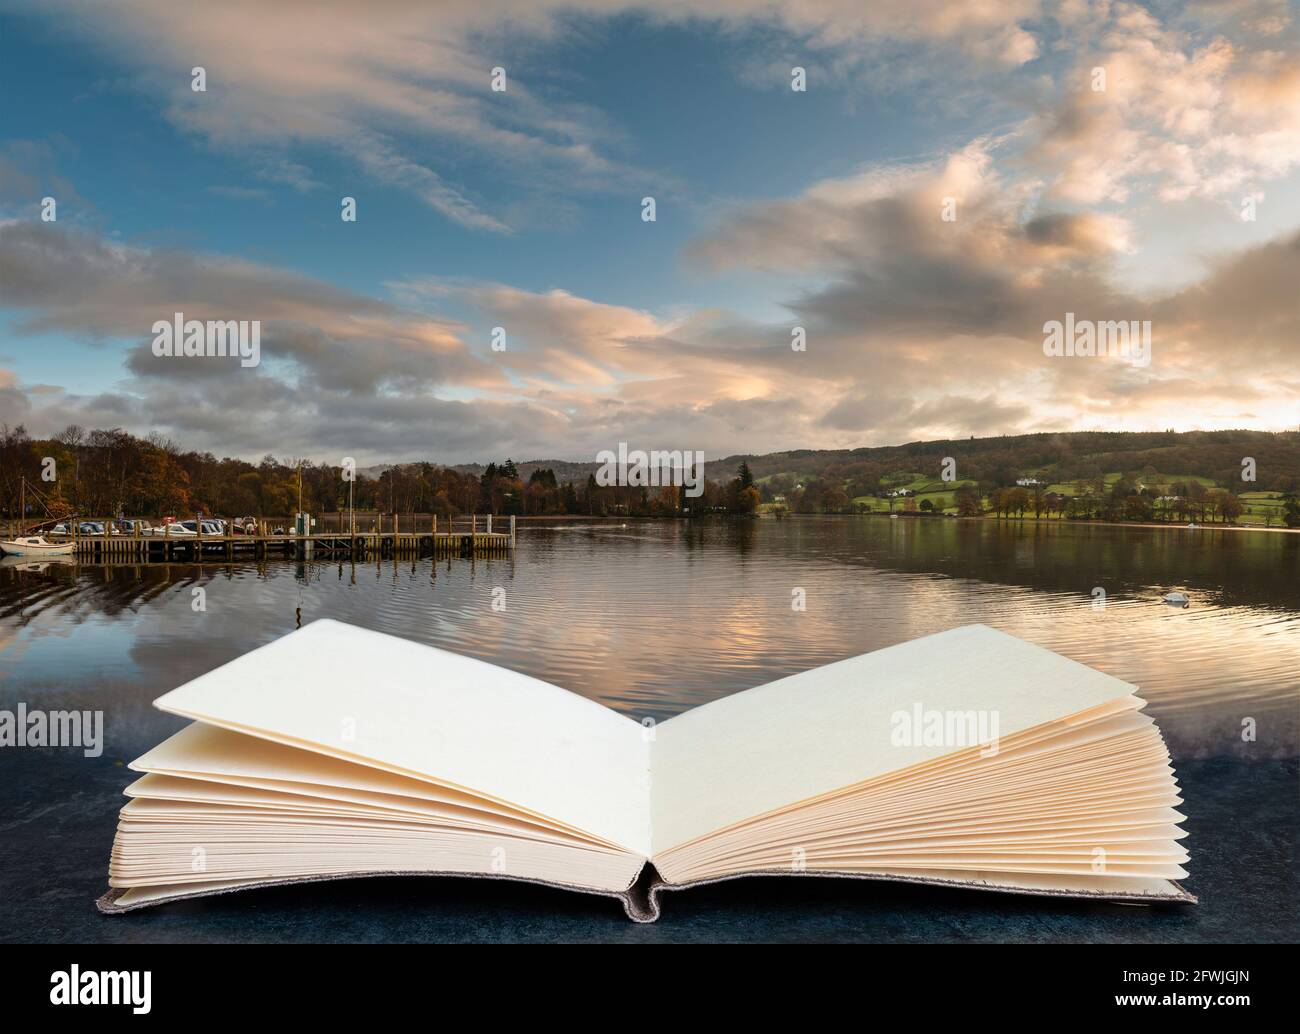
(512, 531)
(489, 527)
(473, 524)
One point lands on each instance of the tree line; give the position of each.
(1129, 498)
(106, 473)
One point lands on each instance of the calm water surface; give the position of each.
(653, 618)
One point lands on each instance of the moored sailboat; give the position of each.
(32, 545)
(35, 545)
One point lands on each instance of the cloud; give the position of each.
(388, 166)
(935, 249)
(1244, 315)
(69, 281)
(1185, 109)
(557, 338)
(891, 418)
(29, 173)
(920, 328)
(927, 327)
(394, 85)
(1204, 103)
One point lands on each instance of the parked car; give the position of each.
(80, 527)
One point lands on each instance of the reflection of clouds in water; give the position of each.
(553, 528)
(11, 647)
(1200, 671)
(661, 617)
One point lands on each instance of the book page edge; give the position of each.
(641, 900)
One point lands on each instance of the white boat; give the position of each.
(32, 545)
(35, 545)
(173, 530)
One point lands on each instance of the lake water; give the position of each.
(652, 618)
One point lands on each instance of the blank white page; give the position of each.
(377, 699)
(825, 729)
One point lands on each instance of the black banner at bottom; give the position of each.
(148, 983)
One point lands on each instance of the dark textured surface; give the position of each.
(59, 812)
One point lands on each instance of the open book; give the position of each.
(968, 758)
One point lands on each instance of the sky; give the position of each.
(952, 178)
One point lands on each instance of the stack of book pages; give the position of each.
(969, 758)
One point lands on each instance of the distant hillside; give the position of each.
(1216, 455)
(1063, 456)
(565, 470)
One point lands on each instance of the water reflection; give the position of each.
(653, 618)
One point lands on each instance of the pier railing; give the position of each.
(362, 535)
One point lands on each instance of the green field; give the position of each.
(1166, 481)
(942, 494)
(1262, 508)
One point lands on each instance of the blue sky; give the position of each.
(774, 209)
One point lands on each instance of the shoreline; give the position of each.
(1136, 524)
(1168, 525)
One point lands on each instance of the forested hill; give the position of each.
(1217, 455)
(1060, 456)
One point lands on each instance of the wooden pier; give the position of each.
(459, 536)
